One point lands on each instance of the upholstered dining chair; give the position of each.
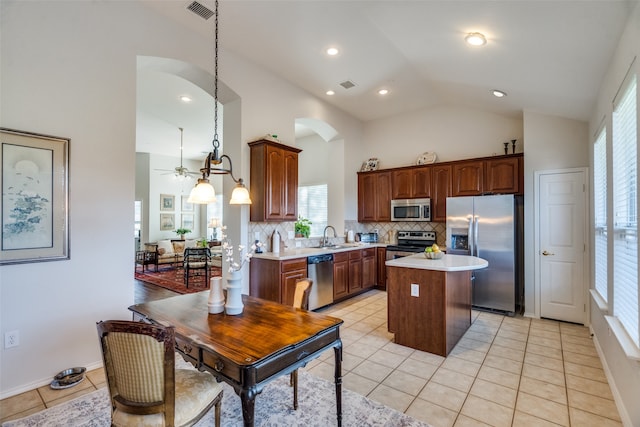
(301, 301)
(144, 385)
(196, 259)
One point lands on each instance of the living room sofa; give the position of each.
(171, 252)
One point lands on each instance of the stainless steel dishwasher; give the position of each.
(320, 270)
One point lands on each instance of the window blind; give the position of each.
(600, 212)
(313, 205)
(625, 220)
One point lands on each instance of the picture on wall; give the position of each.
(35, 197)
(187, 221)
(167, 222)
(167, 202)
(186, 206)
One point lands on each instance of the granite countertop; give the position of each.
(292, 253)
(446, 263)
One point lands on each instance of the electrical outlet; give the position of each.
(11, 339)
(415, 290)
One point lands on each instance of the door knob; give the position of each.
(545, 253)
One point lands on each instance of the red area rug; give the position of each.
(172, 278)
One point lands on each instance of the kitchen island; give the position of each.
(429, 300)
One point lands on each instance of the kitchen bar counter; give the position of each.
(429, 301)
(446, 263)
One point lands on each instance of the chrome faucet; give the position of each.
(324, 235)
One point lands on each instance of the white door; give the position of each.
(561, 251)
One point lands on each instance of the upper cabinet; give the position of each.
(504, 175)
(468, 178)
(274, 181)
(472, 177)
(411, 183)
(440, 190)
(374, 196)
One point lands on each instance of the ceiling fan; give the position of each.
(180, 171)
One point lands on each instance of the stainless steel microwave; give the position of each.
(411, 210)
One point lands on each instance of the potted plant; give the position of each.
(303, 227)
(182, 231)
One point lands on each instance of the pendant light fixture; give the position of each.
(203, 192)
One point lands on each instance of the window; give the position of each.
(600, 212)
(313, 205)
(625, 219)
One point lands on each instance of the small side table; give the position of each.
(145, 258)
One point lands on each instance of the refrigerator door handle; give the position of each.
(475, 236)
(470, 240)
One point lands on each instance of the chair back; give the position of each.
(139, 365)
(301, 295)
(197, 255)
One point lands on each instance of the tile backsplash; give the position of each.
(385, 232)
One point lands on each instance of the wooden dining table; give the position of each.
(248, 350)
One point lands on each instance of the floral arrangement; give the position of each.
(228, 248)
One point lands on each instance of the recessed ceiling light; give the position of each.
(330, 92)
(383, 91)
(498, 93)
(332, 51)
(476, 39)
(185, 98)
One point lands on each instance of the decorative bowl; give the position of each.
(433, 255)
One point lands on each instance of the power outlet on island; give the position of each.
(415, 290)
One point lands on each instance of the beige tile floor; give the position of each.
(504, 372)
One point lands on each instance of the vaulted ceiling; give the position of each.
(548, 56)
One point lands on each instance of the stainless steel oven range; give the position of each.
(411, 242)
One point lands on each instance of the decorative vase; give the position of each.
(216, 296)
(234, 305)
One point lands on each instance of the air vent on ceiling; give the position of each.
(347, 84)
(200, 10)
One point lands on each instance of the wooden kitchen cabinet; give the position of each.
(440, 190)
(355, 271)
(468, 178)
(411, 183)
(368, 268)
(381, 268)
(374, 196)
(276, 280)
(340, 275)
(502, 175)
(274, 181)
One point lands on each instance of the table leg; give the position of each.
(248, 398)
(338, 373)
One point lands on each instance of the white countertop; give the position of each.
(446, 263)
(292, 253)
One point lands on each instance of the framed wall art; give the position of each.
(35, 197)
(187, 221)
(186, 206)
(167, 222)
(167, 202)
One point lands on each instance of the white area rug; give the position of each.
(274, 407)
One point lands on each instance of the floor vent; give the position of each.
(200, 10)
(347, 84)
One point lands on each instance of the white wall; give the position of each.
(552, 143)
(69, 69)
(623, 373)
(453, 133)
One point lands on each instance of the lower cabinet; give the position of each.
(276, 280)
(381, 269)
(353, 272)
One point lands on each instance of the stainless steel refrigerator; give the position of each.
(490, 227)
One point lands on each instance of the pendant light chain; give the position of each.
(216, 142)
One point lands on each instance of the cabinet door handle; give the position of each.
(545, 253)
